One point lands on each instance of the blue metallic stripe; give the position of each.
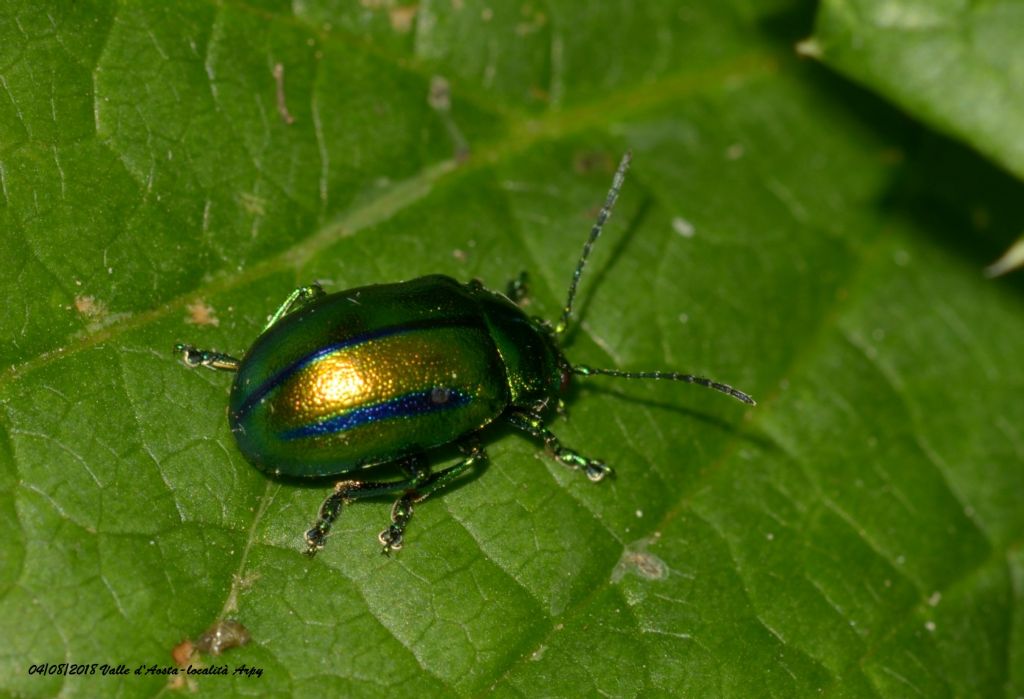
(409, 405)
(301, 363)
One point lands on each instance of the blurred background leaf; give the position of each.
(953, 65)
(170, 172)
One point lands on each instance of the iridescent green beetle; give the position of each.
(382, 374)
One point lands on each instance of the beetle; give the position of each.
(383, 374)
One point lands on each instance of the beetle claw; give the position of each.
(314, 541)
(597, 470)
(391, 539)
(190, 356)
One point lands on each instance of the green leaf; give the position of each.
(954, 65)
(170, 172)
(1012, 259)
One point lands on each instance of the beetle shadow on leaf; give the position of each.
(726, 426)
(436, 459)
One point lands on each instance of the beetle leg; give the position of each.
(299, 297)
(416, 469)
(401, 511)
(212, 360)
(533, 425)
(346, 492)
(518, 289)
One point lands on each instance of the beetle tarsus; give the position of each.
(314, 541)
(597, 470)
(346, 492)
(594, 469)
(390, 539)
(518, 290)
(193, 358)
(533, 424)
(401, 513)
(329, 511)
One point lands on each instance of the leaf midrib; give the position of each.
(522, 136)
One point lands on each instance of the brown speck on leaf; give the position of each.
(638, 561)
(282, 106)
(183, 653)
(201, 313)
(223, 635)
(90, 307)
(255, 205)
(440, 95)
(181, 682)
(586, 162)
(440, 100)
(401, 18)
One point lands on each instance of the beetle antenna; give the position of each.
(595, 233)
(671, 376)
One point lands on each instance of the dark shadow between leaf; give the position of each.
(790, 25)
(960, 199)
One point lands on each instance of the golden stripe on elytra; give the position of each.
(370, 373)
